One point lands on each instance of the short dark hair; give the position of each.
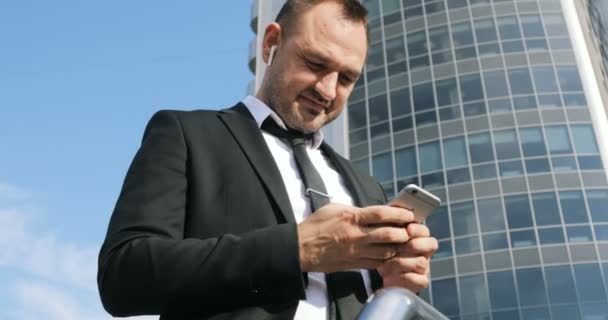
(352, 10)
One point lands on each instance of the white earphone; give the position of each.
(271, 56)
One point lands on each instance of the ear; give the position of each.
(272, 38)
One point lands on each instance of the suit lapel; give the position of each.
(247, 134)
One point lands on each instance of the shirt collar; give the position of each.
(261, 111)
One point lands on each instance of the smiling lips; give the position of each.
(314, 104)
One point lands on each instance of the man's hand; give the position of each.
(339, 237)
(410, 268)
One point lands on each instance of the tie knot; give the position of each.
(293, 136)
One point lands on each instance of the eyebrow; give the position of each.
(310, 55)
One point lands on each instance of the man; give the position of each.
(214, 220)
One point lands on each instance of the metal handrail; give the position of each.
(398, 304)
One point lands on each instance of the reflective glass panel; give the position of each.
(406, 162)
(480, 148)
(579, 234)
(558, 140)
(520, 81)
(506, 144)
(523, 238)
(502, 289)
(400, 102)
(378, 108)
(383, 167)
(357, 117)
(560, 284)
(455, 152)
(447, 92)
(584, 139)
(430, 157)
(423, 97)
(598, 205)
(551, 235)
(438, 223)
(573, 207)
(544, 79)
(531, 287)
(518, 211)
(470, 87)
(491, 216)
(445, 296)
(476, 298)
(464, 219)
(569, 79)
(484, 171)
(589, 282)
(495, 241)
(509, 28)
(546, 210)
(485, 31)
(495, 83)
(467, 245)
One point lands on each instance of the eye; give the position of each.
(346, 80)
(315, 66)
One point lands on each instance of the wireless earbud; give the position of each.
(271, 56)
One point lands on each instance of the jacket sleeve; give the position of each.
(147, 266)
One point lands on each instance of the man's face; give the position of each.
(315, 68)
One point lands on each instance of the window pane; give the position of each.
(439, 223)
(484, 171)
(546, 210)
(506, 144)
(509, 28)
(455, 152)
(423, 97)
(491, 215)
(532, 142)
(520, 81)
(573, 207)
(480, 148)
(589, 282)
(375, 56)
(445, 296)
(444, 250)
(598, 205)
(447, 92)
(496, 84)
(406, 162)
(416, 43)
(511, 168)
(555, 25)
(485, 30)
(601, 232)
(524, 238)
(551, 235)
(560, 284)
(464, 219)
(433, 180)
(532, 26)
(537, 165)
(531, 287)
(569, 79)
(462, 34)
(558, 140)
(383, 167)
(518, 211)
(475, 300)
(378, 108)
(400, 102)
(467, 245)
(395, 49)
(584, 139)
(579, 234)
(590, 162)
(563, 163)
(470, 87)
(502, 289)
(357, 116)
(495, 241)
(565, 312)
(430, 157)
(544, 79)
(440, 38)
(458, 175)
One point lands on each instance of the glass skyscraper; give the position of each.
(499, 107)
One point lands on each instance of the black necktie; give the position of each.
(345, 289)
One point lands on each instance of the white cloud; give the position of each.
(58, 278)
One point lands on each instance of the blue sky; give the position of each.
(78, 82)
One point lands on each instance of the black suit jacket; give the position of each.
(203, 227)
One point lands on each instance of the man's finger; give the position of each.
(386, 235)
(419, 247)
(417, 230)
(385, 215)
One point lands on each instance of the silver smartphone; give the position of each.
(417, 200)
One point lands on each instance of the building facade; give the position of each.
(498, 107)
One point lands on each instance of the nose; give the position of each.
(326, 86)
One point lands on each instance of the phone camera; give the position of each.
(414, 191)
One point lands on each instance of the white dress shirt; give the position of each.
(315, 305)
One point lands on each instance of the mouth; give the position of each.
(312, 104)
